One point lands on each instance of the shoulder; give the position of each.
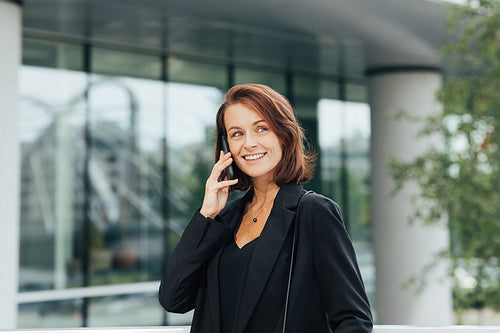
(315, 201)
(318, 208)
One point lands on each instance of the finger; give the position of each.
(222, 159)
(227, 162)
(225, 184)
(214, 185)
(220, 166)
(224, 156)
(216, 171)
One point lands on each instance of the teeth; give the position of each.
(253, 157)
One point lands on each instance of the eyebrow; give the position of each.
(255, 123)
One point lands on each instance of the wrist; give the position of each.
(207, 214)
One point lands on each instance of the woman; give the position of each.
(232, 263)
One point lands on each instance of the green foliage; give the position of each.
(460, 180)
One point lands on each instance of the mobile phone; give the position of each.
(225, 148)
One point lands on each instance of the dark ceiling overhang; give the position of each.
(388, 33)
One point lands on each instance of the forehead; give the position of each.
(238, 114)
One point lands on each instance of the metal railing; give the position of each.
(153, 329)
(185, 329)
(435, 329)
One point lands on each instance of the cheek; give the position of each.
(279, 153)
(237, 162)
(279, 146)
(234, 147)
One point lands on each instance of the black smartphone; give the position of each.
(225, 148)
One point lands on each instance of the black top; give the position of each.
(233, 268)
(326, 291)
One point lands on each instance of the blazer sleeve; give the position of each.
(337, 271)
(181, 280)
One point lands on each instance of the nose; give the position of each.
(250, 141)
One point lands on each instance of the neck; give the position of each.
(264, 192)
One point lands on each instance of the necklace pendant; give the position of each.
(255, 219)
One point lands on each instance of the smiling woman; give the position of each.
(256, 150)
(247, 265)
(270, 110)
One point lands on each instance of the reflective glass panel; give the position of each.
(259, 47)
(275, 80)
(344, 135)
(51, 121)
(196, 36)
(344, 139)
(186, 71)
(306, 93)
(125, 180)
(125, 310)
(52, 54)
(53, 314)
(354, 59)
(356, 93)
(190, 137)
(105, 61)
(60, 16)
(125, 22)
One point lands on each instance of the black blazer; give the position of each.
(326, 293)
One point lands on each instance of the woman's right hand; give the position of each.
(216, 192)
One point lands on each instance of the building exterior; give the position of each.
(108, 112)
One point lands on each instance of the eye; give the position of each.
(262, 129)
(236, 134)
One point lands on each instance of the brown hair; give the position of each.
(296, 164)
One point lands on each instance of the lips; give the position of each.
(253, 157)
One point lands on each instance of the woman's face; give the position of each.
(255, 148)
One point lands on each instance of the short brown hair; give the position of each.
(296, 165)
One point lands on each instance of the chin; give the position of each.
(268, 175)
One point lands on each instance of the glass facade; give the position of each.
(51, 120)
(117, 145)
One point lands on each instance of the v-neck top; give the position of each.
(233, 269)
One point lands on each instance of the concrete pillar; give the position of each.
(10, 59)
(402, 250)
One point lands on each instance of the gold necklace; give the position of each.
(260, 211)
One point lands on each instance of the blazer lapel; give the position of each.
(230, 217)
(267, 249)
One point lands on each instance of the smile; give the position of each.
(253, 157)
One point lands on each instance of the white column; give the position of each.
(402, 250)
(10, 59)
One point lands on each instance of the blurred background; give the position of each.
(115, 113)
